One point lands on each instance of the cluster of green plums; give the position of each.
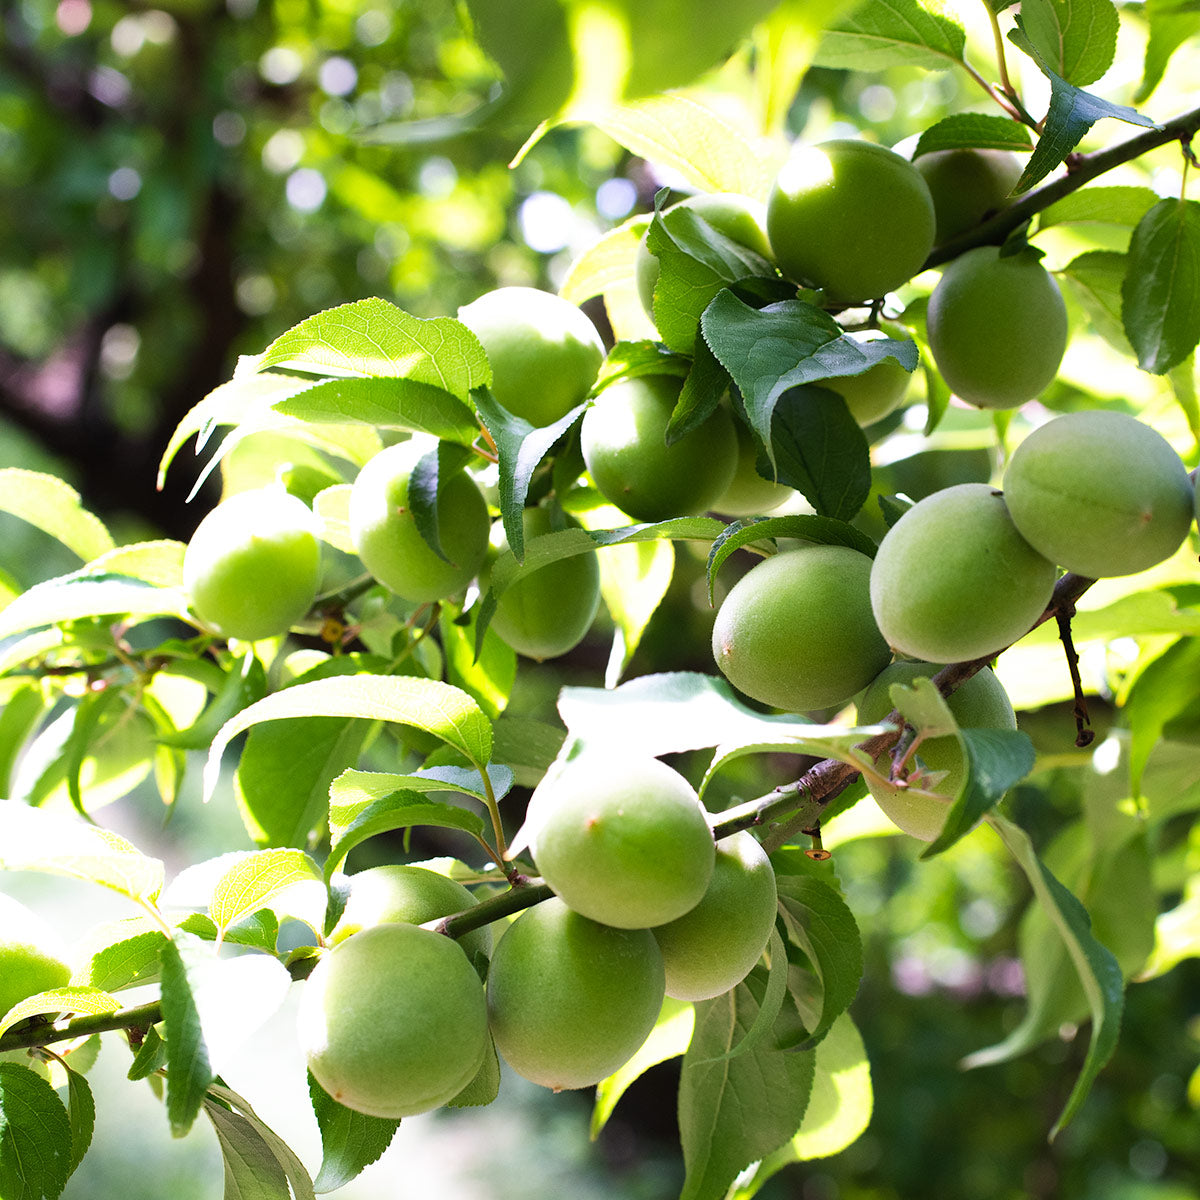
(396, 1020)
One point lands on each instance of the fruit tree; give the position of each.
(562, 647)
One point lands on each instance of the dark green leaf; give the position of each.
(35, 1136)
(151, 1056)
(350, 1140)
(425, 484)
(252, 1172)
(188, 1070)
(527, 746)
(703, 388)
(1077, 39)
(1161, 293)
(81, 1108)
(259, 930)
(891, 33)
(972, 131)
(255, 1128)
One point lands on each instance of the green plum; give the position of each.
(749, 492)
(31, 956)
(967, 185)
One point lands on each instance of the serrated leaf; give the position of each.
(1077, 39)
(84, 594)
(259, 931)
(1096, 277)
(373, 338)
(437, 708)
(189, 1071)
(891, 33)
(350, 1140)
(1161, 293)
(257, 879)
(1101, 206)
(122, 962)
(35, 1136)
(54, 507)
(81, 1109)
(1172, 22)
(973, 131)
(59, 1000)
(33, 839)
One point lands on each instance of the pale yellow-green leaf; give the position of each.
(55, 508)
(332, 509)
(159, 562)
(607, 263)
(257, 879)
(88, 1000)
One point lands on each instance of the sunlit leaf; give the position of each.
(55, 508)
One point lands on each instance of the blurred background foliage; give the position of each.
(183, 182)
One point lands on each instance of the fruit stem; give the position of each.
(1083, 735)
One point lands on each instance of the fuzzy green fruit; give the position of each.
(571, 1000)
(748, 492)
(401, 892)
(545, 614)
(796, 631)
(954, 580)
(997, 327)
(1100, 494)
(393, 1021)
(881, 388)
(851, 217)
(623, 437)
(979, 703)
(714, 946)
(545, 352)
(31, 957)
(252, 568)
(385, 534)
(624, 841)
(967, 185)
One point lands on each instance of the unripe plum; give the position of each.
(879, 389)
(979, 703)
(31, 957)
(253, 565)
(954, 580)
(571, 1000)
(399, 892)
(796, 631)
(748, 491)
(623, 437)
(714, 946)
(393, 1021)
(545, 353)
(386, 537)
(624, 841)
(966, 185)
(851, 217)
(1099, 493)
(997, 327)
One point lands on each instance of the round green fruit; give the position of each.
(878, 390)
(714, 946)
(954, 580)
(979, 703)
(796, 631)
(623, 437)
(967, 185)
(624, 841)
(31, 956)
(413, 895)
(997, 327)
(546, 613)
(545, 353)
(850, 217)
(571, 1000)
(393, 1021)
(749, 493)
(1099, 493)
(252, 568)
(386, 537)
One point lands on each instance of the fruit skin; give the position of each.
(881, 388)
(393, 1021)
(623, 440)
(401, 892)
(714, 946)
(623, 841)
(748, 492)
(547, 613)
(253, 565)
(851, 217)
(966, 185)
(796, 631)
(571, 1000)
(1099, 493)
(953, 579)
(385, 535)
(31, 959)
(997, 327)
(979, 703)
(545, 352)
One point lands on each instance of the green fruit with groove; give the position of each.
(393, 1021)
(571, 1000)
(979, 703)
(623, 437)
(850, 217)
(714, 946)
(796, 631)
(623, 840)
(252, 567)
(385, 534)
(967, 185)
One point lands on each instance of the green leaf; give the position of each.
(1096, 277)
(292, 1167)
(22, 711)
(242, 684)
(527, 747)
(256, 879)
(891, 33)
(81, 1109)
(1100, 206)
(35, 1136)
(427, 704)
(1161, 293)
(189, 1072)
(1163, 689)
(59, 1000)
(33, 839)
(607, 263)
(735, 1111)
(55, 508)
(821, 924)
(151, 1056)
(372, 338)
(350, 1140)
(122, 962)
(633, 581)
(252, 1172)
(159, 562)
(973, 131)
(485, 1087)
(1172, 22)
(1077, 39)
(488, 677)
(260, 930)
